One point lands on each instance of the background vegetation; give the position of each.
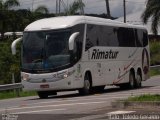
(155, 52)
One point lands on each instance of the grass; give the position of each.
(154, 72)
(155, 52)
(146, 97)
(12, 94)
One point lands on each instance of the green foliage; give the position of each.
(17, 20)
(146, 97)
(5, 14)
(152, 11)
(8, 63)
(41, 9)
(74, 7)
(155, 52)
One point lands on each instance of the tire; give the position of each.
(87, 86)
(138, 80)
(42, 94)
(131, 80)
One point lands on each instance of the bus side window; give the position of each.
(91, 37)
(145, 39)
(138, 41)
(140, 38)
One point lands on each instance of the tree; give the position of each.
(74, 7)
(9, 63)
(41, 9)
(39, 13)
(5, 6)
(152, 11)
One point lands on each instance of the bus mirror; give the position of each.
(13, 46)
(72, 39)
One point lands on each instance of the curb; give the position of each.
(126, 104)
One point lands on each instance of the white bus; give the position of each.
(82, 53)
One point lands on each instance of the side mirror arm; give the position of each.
(13, 46)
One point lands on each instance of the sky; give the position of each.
(91, 6)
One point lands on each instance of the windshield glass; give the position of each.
(44, 50)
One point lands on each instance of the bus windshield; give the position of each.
(45, 50)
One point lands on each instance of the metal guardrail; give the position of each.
(10, 86)
(16, 87)
(155, 67)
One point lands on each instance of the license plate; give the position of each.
(44, 86)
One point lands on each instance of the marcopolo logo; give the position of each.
(98, 54)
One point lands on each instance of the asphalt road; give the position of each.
(71, 106)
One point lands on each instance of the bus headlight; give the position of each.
(65, 75)
(62, 75)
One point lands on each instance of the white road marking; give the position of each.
(71, 104)
(39, 111)
(120, 112)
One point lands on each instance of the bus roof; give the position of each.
(68, 21)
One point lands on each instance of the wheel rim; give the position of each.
(87, 84)
(139, 80)
(131, 80)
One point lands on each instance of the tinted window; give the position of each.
(126, 37)
(145, 38)
(101, 36)
(98, 35)
(139, 42)
(108, 36)
(130, 37)
(91, 37)
(140, 38)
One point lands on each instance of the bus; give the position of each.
(82, 53)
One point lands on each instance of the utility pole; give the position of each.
(58, 7)
(108, 9)
(32, 5)
(124, 5)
